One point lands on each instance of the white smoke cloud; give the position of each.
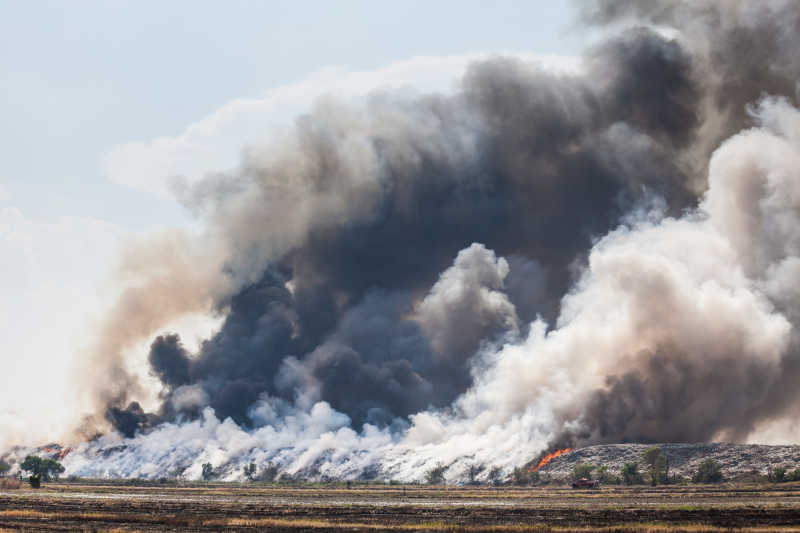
(467, 304)
(215, 142)
(51, 284)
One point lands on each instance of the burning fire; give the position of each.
(63, 453)
(56, 451)
(549, 457)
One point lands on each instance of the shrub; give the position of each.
(496, 476)
(250, 471)
(602, 473)
(651, 455)
(208, 471)
(435, 476)
(779, 474)
(473, 472)
(630, 474)
(677, 479)
(582, 470)
(9, 484)
(794, 475)
(522, 477)
(709, 471)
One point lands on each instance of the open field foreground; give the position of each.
(85, 507)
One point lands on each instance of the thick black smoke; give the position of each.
(534, 165)
(553, 167)
(741, 50)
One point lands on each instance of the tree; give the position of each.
(581, 470)
(709, 471)
(208, 471)
(473, 473)
(250, 471)
(4, 467)
(496, 476)
(780, 474)
(435, 476)
(41, 469)
(602, 473)
(630, 474)
(522, 476)
(650, 455)
(657, 464)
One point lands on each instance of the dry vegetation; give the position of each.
(9, 484)
(219, 507)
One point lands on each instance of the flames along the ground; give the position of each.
(547, 458)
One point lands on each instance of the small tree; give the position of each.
(496, 476)
(650, 455)
(473, 472)
(4, 467)
(709, 471)
(250, 471)
(630, 474)
(435, 476)
(780, 474)
(41, 469)
(522, 476)
(208, 471)
(602, 473)
(656, 461)
(581, 470)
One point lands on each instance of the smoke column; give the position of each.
(537, 260)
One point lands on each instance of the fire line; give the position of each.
(550, 456)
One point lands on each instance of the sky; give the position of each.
(80, 78)
(104, 105)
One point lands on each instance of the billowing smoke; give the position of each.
(535, 259)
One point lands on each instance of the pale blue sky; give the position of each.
(78, 77)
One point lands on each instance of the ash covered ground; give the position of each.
(736, 460)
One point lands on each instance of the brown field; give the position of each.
(318, 508)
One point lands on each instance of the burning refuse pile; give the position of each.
(12, 461)
(538, 465)
(735, 460)
(539, 261)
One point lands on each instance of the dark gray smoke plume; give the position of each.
(351, 273)
(548, 166)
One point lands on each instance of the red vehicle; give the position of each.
(585, 483)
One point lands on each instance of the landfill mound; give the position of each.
(735, 459)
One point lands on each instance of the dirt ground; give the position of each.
(115, 507)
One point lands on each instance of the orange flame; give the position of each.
(56, 451)
(549, 457)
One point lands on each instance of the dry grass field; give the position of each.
(319, 508)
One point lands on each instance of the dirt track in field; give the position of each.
(71, 507)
